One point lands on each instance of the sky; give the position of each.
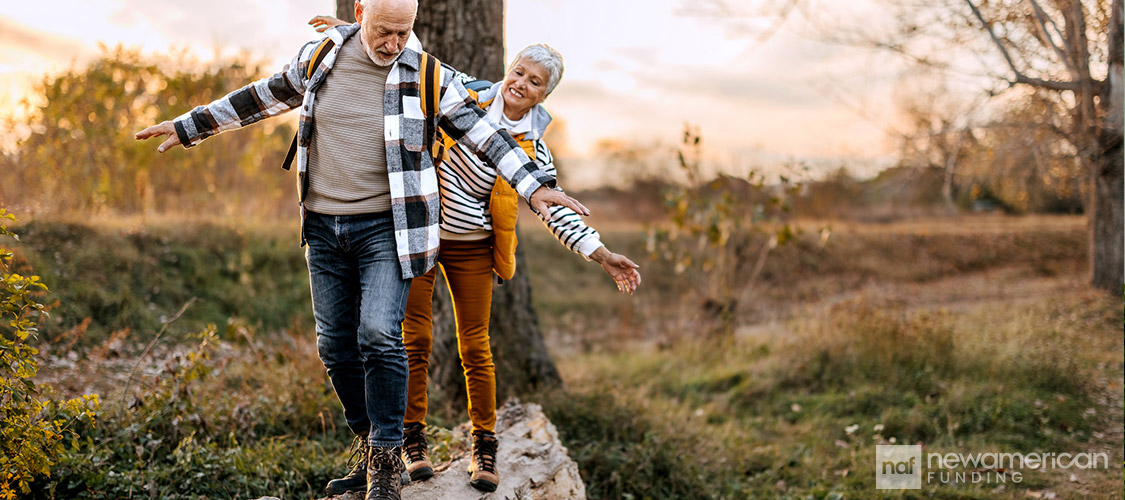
(636, 71)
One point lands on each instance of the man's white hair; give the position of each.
(545, 56)
(369, 5)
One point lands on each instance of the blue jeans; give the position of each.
(359, 298)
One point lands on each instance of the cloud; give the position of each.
(21, 45)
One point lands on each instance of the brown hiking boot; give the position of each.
(356, 480)
(384, 473)
(482, 467)
(414, 453)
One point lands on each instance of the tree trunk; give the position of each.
(345, 10)
(1106, 234)
(469, 36)
(1107, 230)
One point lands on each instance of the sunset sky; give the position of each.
(635, 70)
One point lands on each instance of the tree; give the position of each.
(938, 132)
(469, 35)
(1067, 51)
(1028, 34)
(345, 10)
(77, 159)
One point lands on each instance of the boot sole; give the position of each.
(333, 491)
(422, 474)
(483, 485)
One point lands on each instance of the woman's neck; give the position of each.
(514, 115)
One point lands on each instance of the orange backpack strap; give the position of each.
(429, 94)
(318, 57)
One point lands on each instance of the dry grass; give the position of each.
(976, 334)
(769, 413)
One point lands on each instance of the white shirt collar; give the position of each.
(497, 116)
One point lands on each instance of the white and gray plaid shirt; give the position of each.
(415, 204)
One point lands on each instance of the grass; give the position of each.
(212, 419)
(114, 276)
(796, 411)
(967, 335)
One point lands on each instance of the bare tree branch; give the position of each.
(1020, 77)
(1049, 38)
(778, 22)
(780, 11)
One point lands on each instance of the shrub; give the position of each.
(723, 230)
(33, 428)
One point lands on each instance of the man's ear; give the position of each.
(359, 12)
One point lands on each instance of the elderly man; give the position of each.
(369, 204)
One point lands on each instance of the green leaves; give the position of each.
(31, 437)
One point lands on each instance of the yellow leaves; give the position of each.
(31, 428)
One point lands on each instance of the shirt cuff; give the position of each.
(185, 129)
(589, 246)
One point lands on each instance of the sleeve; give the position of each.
(259, 100)
(567, 226)
(463, 121)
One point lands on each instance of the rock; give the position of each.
(532, 462)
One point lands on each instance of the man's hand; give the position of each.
(165, 128)
(322, 23)
(544, 198)
(620, 268)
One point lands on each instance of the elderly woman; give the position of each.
(477, 236)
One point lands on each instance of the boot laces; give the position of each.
(359, 453)
(384, 462)
(415, 444)
(484, 450)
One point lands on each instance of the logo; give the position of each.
(898, 467)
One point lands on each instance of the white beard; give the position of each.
(377, 59)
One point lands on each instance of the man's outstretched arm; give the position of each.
(259, 100)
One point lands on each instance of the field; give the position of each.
(967, 334)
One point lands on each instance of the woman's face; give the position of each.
(524, 87)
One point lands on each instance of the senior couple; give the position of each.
(379, 213)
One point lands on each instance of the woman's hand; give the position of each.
(322, 23)
(544, 198)
(620, 268)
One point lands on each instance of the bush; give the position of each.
(622, 454)
(218, 421)
(34, 428)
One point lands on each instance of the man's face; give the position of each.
(385, 28)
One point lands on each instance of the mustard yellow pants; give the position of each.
(467, 266)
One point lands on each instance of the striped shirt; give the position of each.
(466, 183)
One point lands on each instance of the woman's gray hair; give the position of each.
(547, 57)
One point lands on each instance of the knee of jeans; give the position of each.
(335, 353)
(382, 336)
